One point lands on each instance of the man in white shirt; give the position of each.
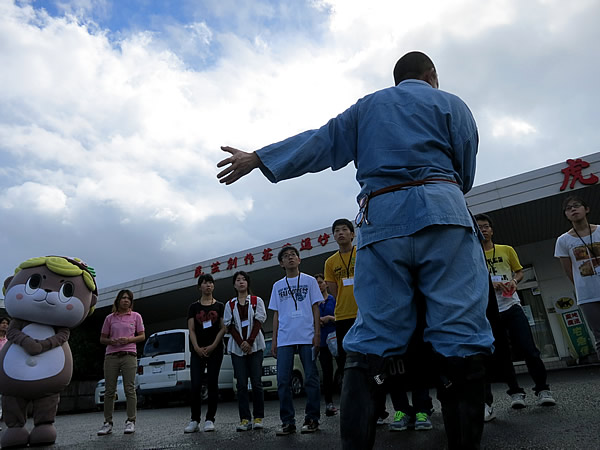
(295, 302)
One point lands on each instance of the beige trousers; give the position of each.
(115, 365)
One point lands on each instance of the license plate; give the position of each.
(157, 370)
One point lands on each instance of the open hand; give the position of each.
(240, 164)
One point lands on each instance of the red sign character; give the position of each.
(232, 263)
(248, 259)
(305, 244)
(574, 170)
(323, 239)
(267, 254)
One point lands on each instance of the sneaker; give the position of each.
(106, 429)
(129, 427)
(192, 427)
(545, 398)
(244, 425)
(330, 410)
(258, 425)
(381, 419)
(286, 428)
(209, 425)
(401, 422)
(488, 413)
(517, 401)
(310, 426)
(422, 422)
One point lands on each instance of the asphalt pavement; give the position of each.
(574, 423)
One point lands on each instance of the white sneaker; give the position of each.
(129, 427)
(106, 429)
(209, 426)
(517, 401)
(545, 398)
(192, 427)
(489, 413)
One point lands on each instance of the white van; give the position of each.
(269, 373)
(164, 368)
(120, 395)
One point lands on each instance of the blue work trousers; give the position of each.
(446, 263)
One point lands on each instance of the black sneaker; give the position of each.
(286, 428)
(310, 426)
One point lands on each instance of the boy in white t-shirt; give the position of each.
(579, 253)
(295, 302)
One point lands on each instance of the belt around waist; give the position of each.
(122, 354)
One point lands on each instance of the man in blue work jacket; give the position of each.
(414, 148)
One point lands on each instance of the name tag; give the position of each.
(296, 314)
(348, 281)
(497, 278)
(245, 323)
(206, 324)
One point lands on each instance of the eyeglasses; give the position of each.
(573, 206)
(363, 211)
(484, 227)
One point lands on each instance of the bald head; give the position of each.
(417, 66)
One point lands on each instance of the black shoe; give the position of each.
(286, 428)
(330, 410)
(310, 426)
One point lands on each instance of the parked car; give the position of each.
(269, 373)
(164, 368)
(120, 398)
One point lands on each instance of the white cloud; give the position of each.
(121, 132)
(511, 127)
(34, 198)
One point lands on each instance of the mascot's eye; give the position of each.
(66, 292)
(33, 284)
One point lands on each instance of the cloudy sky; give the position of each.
(112, 112)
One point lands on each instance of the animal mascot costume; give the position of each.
(46, 297)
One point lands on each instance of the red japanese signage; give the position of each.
(573, 172)
(265, 255)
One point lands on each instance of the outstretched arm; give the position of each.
(333, 146)
(240, 164)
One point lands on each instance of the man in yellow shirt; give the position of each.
(339, 276)
(506, 273)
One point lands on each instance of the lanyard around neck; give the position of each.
(347, 266)
(292, 293)
(591, 246)
(490, 263)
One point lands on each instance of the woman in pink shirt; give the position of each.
(122, 330)
(4, 322)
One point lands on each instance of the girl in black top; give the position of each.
(205, 323)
